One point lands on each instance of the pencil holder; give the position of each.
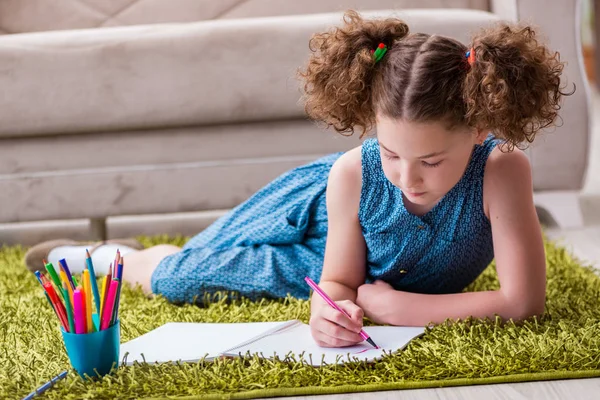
(94, 354)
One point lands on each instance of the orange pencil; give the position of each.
(105, 287)
(117, 259)
(63, 277)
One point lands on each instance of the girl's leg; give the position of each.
(139, 265)
(254, 271)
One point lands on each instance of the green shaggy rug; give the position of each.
(564, 343)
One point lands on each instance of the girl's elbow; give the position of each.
(521, 305)
(528, 310)
(535, 311)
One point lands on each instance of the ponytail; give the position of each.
(338, 77)
(513, 86)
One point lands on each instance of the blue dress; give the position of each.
(267, 245)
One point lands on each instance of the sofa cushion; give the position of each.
(20, 16)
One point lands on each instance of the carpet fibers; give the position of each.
(564, 343)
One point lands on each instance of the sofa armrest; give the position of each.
(559, 157)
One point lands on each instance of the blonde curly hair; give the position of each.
(512, 88)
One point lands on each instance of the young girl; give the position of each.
(395, 229)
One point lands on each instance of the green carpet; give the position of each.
(564, 343)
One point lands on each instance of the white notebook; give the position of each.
(190, 342)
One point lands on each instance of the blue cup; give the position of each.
(94, 354)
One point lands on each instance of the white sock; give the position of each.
(75, 256)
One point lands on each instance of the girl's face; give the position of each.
(424, 160)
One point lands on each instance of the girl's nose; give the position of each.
(409, 177)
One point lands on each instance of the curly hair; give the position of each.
(513, 88)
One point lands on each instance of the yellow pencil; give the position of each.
(87, 288)
(63, 277)
(102, 295)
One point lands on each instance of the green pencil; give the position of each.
(90, 267)
(69, 308)
(53, 274)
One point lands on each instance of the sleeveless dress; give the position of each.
(265, 246)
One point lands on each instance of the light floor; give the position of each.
(575, 389)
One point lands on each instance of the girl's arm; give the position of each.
(344, 263)
(518, 250)
(345, 251)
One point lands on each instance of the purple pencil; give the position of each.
(63, 264)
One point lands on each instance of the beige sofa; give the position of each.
(111, 130)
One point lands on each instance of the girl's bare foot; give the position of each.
(139, 265)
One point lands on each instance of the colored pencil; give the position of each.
(87, 326)
(115, 263)
(65, 267)
(328, 300)
(78, 313)
(69, 308)
(52, 272)
(39, 275)
(88, 300)
(45, 386)
(105, 287)
(108, 306)
(65, 280)
(115, 316)
(58, 306)
(90, 268)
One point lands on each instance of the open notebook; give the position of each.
(190, 342)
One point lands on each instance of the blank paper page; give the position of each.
(183, 341)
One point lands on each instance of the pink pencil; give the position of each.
(321, 293)
(107, 312)
(78, 312)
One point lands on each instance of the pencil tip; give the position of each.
(372, 343)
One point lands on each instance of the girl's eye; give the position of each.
(428, 165)
(425, 164)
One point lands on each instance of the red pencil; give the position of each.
(110, 303)
(58, 306)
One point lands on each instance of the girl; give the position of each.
(395, 229)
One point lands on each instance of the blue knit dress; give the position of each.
(267, 245)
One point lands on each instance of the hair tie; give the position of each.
(379, 52)
(470, 56)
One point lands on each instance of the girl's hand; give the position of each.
(369, 299)
(331, 328)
